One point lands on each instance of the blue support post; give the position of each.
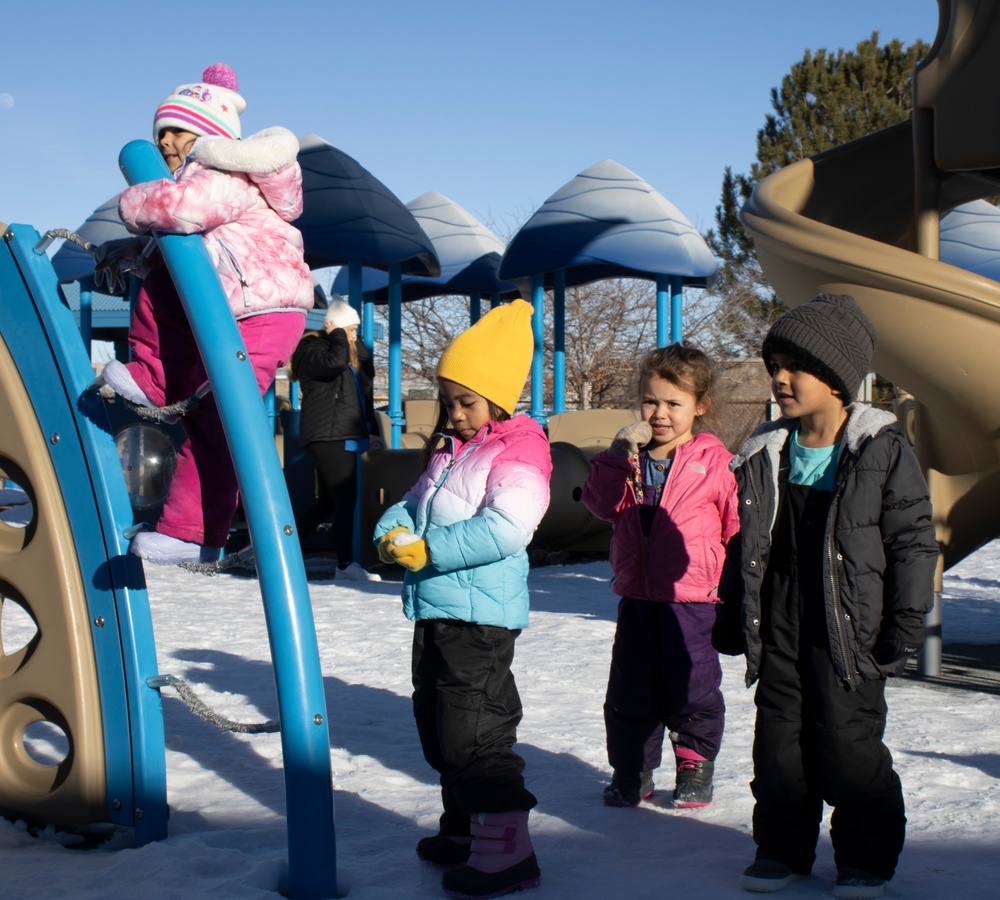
(354, 290)
(495, 301)
(559, 341)
(368, 323)
(368, 338)
(396, 353)
(271, 407)
(305, 736)
(87, 312)
(363, 305)
(676, 309)
(475, 306)
(538, 356)
(662, 310)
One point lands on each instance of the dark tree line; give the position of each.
(827, 99)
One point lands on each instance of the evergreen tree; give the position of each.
(825, 100)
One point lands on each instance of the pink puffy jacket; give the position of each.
(241, 196)
(681, 560)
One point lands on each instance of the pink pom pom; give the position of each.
(220, 74)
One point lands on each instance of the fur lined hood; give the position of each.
(863, 422)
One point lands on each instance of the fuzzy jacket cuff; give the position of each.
(262, 153)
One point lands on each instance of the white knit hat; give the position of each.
(342, 314)
(210, 107)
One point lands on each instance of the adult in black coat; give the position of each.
(335, 372)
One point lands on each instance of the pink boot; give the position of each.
(502, 859)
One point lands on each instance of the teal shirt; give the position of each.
(814, 467)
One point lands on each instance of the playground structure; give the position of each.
(864, 219)
(89, 672)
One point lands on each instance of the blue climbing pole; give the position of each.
(291, 630)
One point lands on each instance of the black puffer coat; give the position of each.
(881, 551)
(331, 406)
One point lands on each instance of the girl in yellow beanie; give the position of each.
(462, 533)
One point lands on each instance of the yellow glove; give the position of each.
(385, 542)
(413, 555)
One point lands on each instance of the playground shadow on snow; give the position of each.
(364, 721)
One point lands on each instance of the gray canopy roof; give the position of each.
(468, 251)
(609, 223)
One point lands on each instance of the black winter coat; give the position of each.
(881, 552)
(331, 407)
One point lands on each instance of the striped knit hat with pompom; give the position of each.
(210, 107)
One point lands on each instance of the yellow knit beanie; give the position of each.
(493, 357)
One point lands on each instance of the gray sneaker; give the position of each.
(856, 884)
(766, 876)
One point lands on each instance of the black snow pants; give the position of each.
(467, 709)
(816, 740)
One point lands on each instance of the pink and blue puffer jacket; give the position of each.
(681, 559)
(241, 196)
(477, 505)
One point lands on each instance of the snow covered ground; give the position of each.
(227, 831)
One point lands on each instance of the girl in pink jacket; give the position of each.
(673, 509)
(242, 196)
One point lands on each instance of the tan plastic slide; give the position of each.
(863, 219)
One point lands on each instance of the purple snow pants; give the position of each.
(665, 675)
(167, 366)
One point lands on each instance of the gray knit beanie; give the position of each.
(831, 337)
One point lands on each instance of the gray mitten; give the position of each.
(114, 259)
(630, 438)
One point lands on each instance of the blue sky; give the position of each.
(496, 106)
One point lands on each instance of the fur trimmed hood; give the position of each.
(262, 153)
(863, 422)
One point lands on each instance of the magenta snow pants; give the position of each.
(203, 492)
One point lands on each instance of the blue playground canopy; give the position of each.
(970, 238)
(468, 251)
(609, 223)
(349, 216)
(605, 223)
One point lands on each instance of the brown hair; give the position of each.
(684, 366)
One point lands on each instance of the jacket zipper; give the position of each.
(645, 537)
(757, 553)
(238, 270)
(444, 474)
(838, 610)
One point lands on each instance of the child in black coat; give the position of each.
(832, 574)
